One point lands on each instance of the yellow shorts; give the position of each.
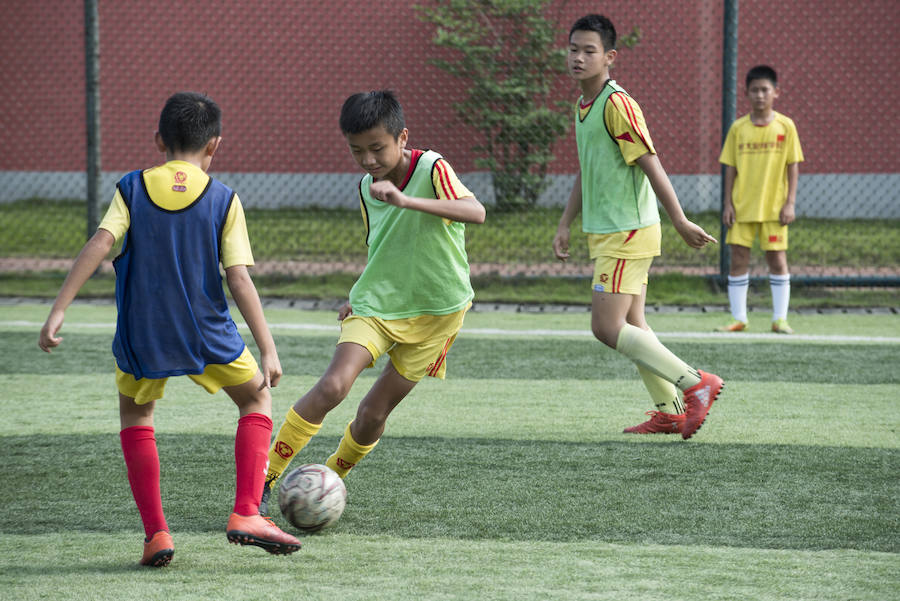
(620, 276)
(214, 377)
(772, 235)
(417, 346)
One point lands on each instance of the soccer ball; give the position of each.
(312, 497)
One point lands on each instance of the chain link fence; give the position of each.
(484, 83)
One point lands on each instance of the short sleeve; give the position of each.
(117, 218)
(446, 184)
(794, 152)
(625, 122)
(729, 152)
(235, 239)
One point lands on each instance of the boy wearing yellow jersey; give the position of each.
(412, 296)
(617, 188)
(761, 156)
(179, 225)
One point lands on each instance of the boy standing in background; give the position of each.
(762, 155)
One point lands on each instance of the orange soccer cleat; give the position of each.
(697, 401)
(158, 551)
(734, 326)
(659, 423)
(262, 532)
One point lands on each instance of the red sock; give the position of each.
(251, 459)
(142, 461)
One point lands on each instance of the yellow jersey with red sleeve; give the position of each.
(625, 123)
(619, 208)
(175, 186)
(446, 184)
(761, 154)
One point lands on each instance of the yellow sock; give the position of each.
(293, 435)
(666, 397)
(647, 351)
(348, 454)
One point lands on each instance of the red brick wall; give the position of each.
(281, 73)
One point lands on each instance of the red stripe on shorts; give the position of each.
(440, 360)
(617, 275)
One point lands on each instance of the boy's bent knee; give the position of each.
(332, 388)
(605, 336)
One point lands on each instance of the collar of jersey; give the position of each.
(175, 185)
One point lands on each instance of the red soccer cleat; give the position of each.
(262, 532)
(158, 551)
(659, 423)
(697, 401)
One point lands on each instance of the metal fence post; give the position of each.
(729, 113)
(92, 102)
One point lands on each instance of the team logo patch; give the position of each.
(180, 178)
(604, 278)
(775, 238)
(283, 449)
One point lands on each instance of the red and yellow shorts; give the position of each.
(417, 346)
(214, 377)
(616, 275)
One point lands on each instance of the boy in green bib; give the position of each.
(616, 190)
(412, 296)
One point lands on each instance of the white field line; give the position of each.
(537, 333)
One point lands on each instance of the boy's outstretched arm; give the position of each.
(87, 262)
(462, 210)
(573, 207)
(247, 299)
(692, 233)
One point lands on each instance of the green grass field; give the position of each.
(509, 480)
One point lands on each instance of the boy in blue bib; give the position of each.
(179, 225)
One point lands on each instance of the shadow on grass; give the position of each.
(765, 496)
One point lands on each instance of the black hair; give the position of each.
(762, 72)
(601, 25)
(189, 121)
(361, 112)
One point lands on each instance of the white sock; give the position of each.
(781, 295)
(737, 295)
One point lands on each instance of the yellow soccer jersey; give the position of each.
(625, 123)
(446, 184)
(761, 154)
(174, 186)
(618, 203)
